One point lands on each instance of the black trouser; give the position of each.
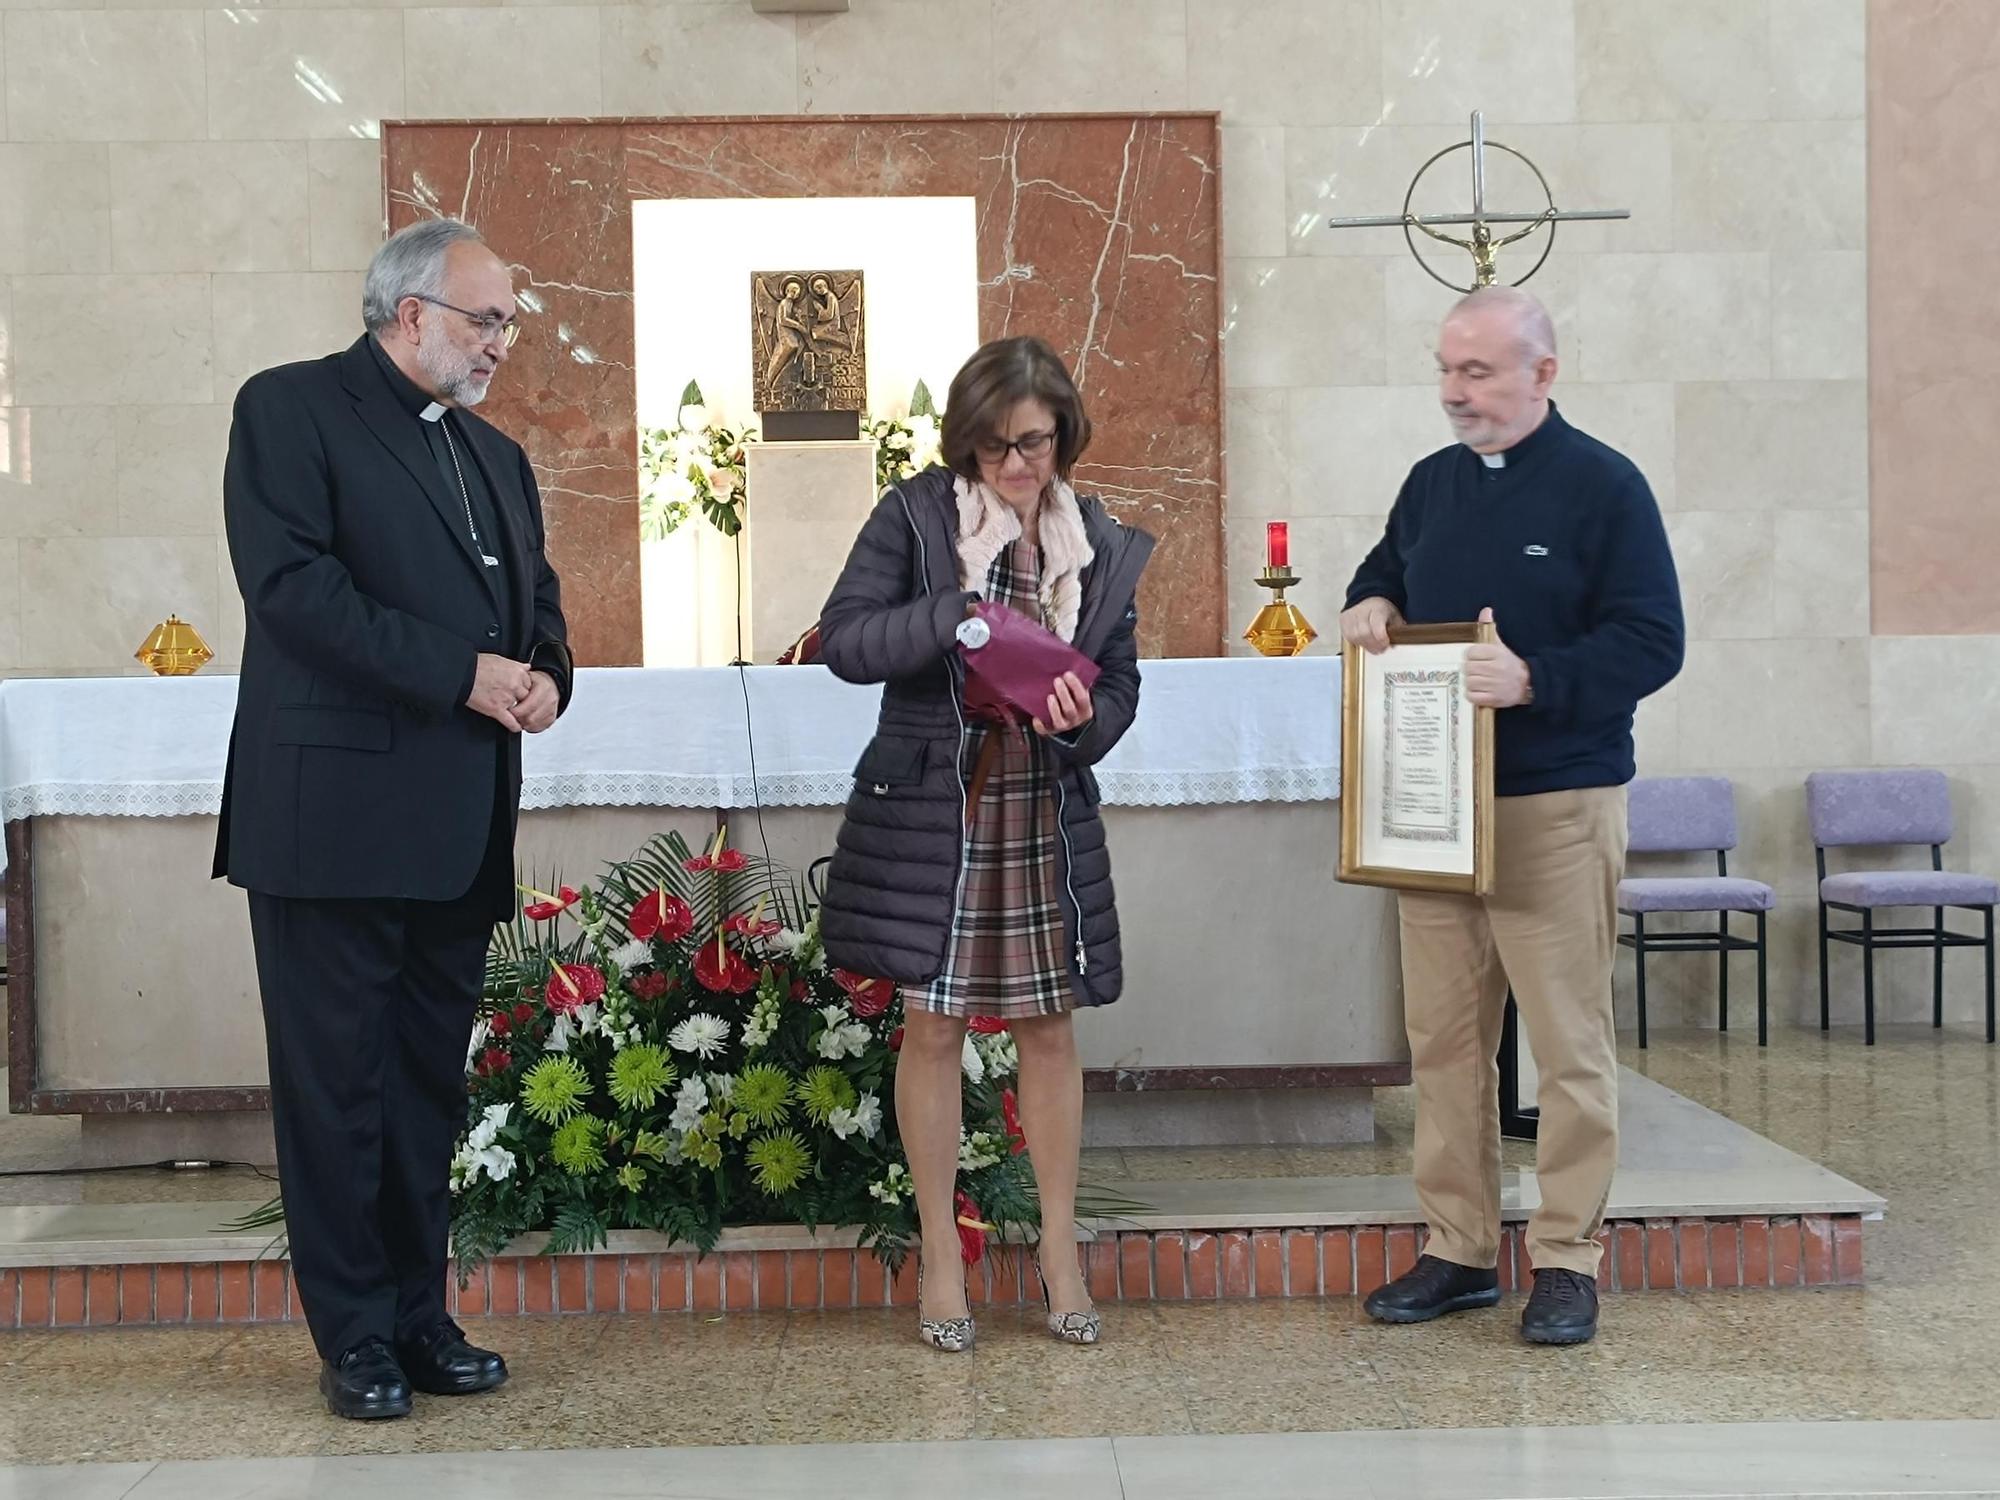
(368, 1010)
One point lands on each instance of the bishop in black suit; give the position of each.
(403, 630)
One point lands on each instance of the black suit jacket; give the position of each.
(355, 769)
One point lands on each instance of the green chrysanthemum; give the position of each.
(578, 1146)
(651, 1145)
(554, 1089)
(764, 1093)
(632, 1177)
(823, 1090)
(778, 1162)
(639, 1075)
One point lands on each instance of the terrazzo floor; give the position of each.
(1916, 1119)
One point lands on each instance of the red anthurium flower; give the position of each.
(659, 915)
(972, 1229)
(493, 1060)
(869, 997)
(573, 986)
(523, 1013)
(500, 1023)
(743, 925)
(987, 1025)
(701, 864)
(546, 907)
(648, 986)
(724, 972)
(730, 861)
(1010, 1113)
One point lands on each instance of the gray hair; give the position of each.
(1534, 329)
(410, 264)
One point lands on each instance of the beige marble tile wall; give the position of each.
(187, 194)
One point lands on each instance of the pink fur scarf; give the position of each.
(986, 524)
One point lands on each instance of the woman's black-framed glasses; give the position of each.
(1032, 445)
(490, 326)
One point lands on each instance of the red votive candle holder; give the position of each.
(1278, 544)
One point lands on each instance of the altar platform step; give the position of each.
(1699, 1202)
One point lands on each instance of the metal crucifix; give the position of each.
(1483, 247)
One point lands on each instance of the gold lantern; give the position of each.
(175, 649)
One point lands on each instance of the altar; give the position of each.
(1262, 999)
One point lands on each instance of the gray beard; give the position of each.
(450, 373)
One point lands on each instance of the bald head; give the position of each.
(1520, 313)
(1496, 362)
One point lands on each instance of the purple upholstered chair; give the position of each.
(1893, 808)
(1686, 815)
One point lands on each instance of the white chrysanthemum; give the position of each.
(787, 941)
(700, 1033)
(628, 956)
(971, 1061)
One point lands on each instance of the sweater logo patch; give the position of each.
(1535, 549)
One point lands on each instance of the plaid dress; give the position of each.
(1007, 955)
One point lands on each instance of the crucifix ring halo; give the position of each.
(1482, 245)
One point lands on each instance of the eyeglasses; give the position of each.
(490, 325)
(1032, 445)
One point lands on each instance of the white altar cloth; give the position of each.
(1209, 730)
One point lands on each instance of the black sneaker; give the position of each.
(1563, 1309)
(1430, 1289)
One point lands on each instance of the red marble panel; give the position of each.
(1099, 232)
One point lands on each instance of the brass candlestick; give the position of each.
(174, 649)
(1279, 629)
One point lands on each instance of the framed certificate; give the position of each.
(1416, 765)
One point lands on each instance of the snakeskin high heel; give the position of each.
(951, 1335)
(1072, 1327)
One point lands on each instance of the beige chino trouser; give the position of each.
(1548, 929)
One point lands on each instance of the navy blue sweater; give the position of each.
(1566, 545)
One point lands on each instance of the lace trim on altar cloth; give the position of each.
(187, 799)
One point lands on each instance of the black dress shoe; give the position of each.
(365, 1384)
(1430, 1289)
(442, 1363)
(1563, 1309)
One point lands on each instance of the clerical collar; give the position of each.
(409, 395)
(1540, 440)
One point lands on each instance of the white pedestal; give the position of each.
(806, 503)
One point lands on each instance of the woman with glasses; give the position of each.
(971, 865)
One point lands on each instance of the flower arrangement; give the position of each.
(698, 463)
(670, 1050)
(905, 445)
(694, 465)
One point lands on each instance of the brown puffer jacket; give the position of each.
(894, 879)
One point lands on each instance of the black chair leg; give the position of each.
(1937, 968)
(1989, 973)
(1722, 963)
(1825, 1021)
(1868, 977)
(1639, 973)
(1763, 1014)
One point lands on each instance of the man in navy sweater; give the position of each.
(1556, 538)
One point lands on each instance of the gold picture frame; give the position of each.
(1439, 849)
